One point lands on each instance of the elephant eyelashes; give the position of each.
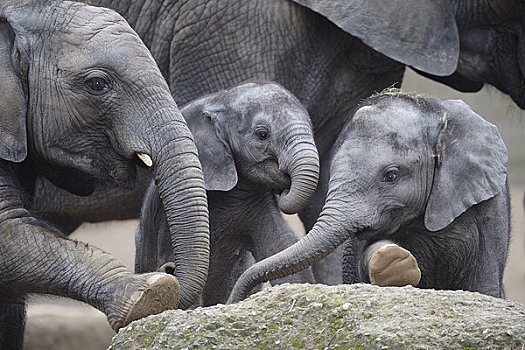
(391, 175)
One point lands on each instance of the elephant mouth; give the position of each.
(375, 233)
(278, 180)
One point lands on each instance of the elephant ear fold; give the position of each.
(470, 166)
(215, 154)
(419, 33)
(13, 99)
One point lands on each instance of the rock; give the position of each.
(337, 317)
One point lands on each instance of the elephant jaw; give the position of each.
(278, 180)
(368, 232)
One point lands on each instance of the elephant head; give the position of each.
(260, 133)
(84, 102)
(400, 160)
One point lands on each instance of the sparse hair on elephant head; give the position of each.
(421, 169)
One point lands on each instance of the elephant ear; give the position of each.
(13, 99)
(215, 154)
(471, 164)
(419, 33)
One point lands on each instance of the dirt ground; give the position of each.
(50, 319)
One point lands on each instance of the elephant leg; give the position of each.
(329, 270)
(225, 268)
(390, 265)
(352, 266)
(243, 262)
(147, 258)
(271, 235)
(12, 321)
(33, 260)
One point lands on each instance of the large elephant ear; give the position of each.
(419, 33)
(471, 164)
(215, 155)
(13, 99)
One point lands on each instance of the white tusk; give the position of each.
(145, 158)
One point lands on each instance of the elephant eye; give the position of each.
(97, 85)
(262, 133)
(391, 175)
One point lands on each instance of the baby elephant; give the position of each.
(418, 191)
(254, 140)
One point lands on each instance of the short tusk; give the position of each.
(145, 158)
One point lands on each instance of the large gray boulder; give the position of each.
(339, 317)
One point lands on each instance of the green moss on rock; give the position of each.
(356, 316)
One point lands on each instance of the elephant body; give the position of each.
(253, 139)
(418, 195)
(81, 113)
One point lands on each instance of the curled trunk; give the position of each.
(304, 174)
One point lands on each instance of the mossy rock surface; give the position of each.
(337, 317)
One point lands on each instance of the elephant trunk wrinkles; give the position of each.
(180, 182)
(330, 231)
(304, 174)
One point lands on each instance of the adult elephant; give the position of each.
(330, 54)
(415, 174)
(83, 103)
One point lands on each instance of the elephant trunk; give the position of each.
(301, 162)
(180, 182)
(330, 231)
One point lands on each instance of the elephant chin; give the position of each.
(73, 181)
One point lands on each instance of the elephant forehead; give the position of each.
(397, 117)
(386, 130)
(94, 33)
(263, 98)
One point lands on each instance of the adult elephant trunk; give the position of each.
(179, 179)
(301, 161)
(331, 230)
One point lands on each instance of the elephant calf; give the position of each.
(253, 140)
(418, 191)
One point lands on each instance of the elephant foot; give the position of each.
(159, 293)
(390, 265)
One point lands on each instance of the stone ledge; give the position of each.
(356, 316)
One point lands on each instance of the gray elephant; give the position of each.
(330, 54)
(83, 102)
(427, 175)
(254, 140)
